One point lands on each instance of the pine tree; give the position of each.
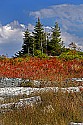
(39, 36)
(55, 44)
(27, 44)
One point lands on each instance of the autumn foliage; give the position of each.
(53, 69)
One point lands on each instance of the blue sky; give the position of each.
(19, 9)
(68, 13)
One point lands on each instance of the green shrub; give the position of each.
(39, 54)
(72, 54)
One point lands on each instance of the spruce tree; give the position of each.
(55, 44)
(39, 36)
(27, 44)
(39, 41)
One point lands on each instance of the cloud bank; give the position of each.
(11, 37)
(69, 16)
(64, 11)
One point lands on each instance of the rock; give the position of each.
(72, 123)
(10, 82)
(22, 102)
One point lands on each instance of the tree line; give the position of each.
(42, 42)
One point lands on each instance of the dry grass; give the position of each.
(11, 99)
(55, 109)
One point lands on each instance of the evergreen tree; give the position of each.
(46, 43)
(55, 44)
(27, 44)
(39, 36)
(18, 54)
(41, 42)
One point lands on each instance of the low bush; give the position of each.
(71, 54)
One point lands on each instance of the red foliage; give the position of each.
(35, 68)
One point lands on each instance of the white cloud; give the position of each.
(10, 39)
(67, 11)
(69, 16)
(68, 38)
(30, 27)
(7, 33)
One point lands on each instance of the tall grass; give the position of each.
(55, 109)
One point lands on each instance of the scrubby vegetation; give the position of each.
(44, 58)
(71, 54)
(48, 69)
(56, 108)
